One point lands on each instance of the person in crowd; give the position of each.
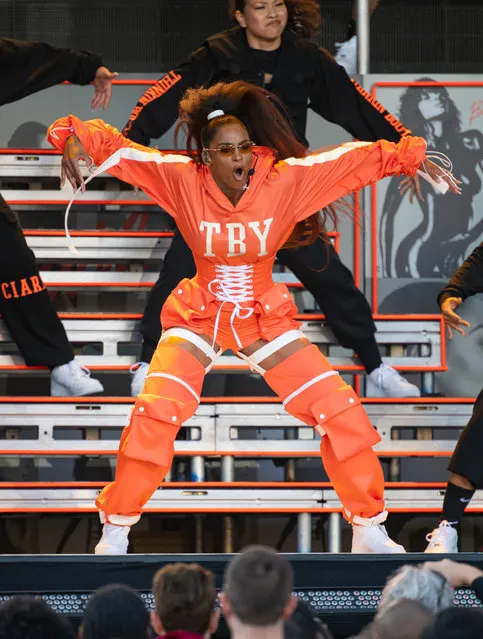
(25, 306)
(236, 204)
(419, 583)
(456, 623)
(304, 624)
(25, 617)
(453, 623)
(257, 594)
(185, 602)
(399, 619)
(458, 575)
(271, 47)
(115, 611)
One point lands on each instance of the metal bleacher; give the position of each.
(105, 284)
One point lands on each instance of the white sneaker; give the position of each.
(138, 372)
(114, 540)
(346, 55)
(374, 540)
(73, 380)
(384, 381)
(443, 539)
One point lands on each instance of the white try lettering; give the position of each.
(236, 234)
(262, 238)
(210, 226)
(234, 229)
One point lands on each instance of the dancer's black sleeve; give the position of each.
(467, 280)
(28, 67)
(157, 109)
(337, 98)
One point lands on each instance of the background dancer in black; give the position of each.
(25, 306)
(465, 465)
(270, 47)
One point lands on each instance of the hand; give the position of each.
(456, 574)
(438, 174)
(413, 185)
(73, 152)
(451, 319)
(102, 87)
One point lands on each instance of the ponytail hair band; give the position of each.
(215, 114)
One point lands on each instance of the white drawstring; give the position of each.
(70, 241)
(446, 168)
(234, 285)
(111, 161)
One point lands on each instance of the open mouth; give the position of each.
(238, 174)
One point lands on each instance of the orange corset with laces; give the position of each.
(233, 305)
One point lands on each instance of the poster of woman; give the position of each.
(420, 245)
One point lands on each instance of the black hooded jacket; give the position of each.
(304, 76)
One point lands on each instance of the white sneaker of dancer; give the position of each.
(443, 539)
(373, 540)
(139, 372)
(114, 540)
(73, 380)
(384, 381)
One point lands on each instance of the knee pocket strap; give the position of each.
(154, 424)
(345, 422)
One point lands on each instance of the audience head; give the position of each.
(185, 598)
(400, 619)
(456, 623)
(420, 584)
(32, 618)
(258, 589)
(115, 612)
(304, 624)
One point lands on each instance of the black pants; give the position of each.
(466, 459)
(24, 302)
(317, 266)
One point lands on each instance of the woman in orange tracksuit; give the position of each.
(236, 205)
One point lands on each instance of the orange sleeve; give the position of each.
(154, 172)
(321, 178)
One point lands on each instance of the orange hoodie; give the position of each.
(234, 247)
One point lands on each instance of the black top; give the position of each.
(28, 67)
(304, 76)
(266, 60)
(467, 280)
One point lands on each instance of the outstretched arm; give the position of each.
(154, 172)
(28, 67)
(337, 98)
(321, 178)
(340, 99)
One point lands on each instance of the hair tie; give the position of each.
(215, 114)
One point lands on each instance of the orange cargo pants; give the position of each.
(311, 391)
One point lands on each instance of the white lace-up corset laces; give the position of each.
(234, 284)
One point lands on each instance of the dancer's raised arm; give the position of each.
(321, 178)
(100, 143)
